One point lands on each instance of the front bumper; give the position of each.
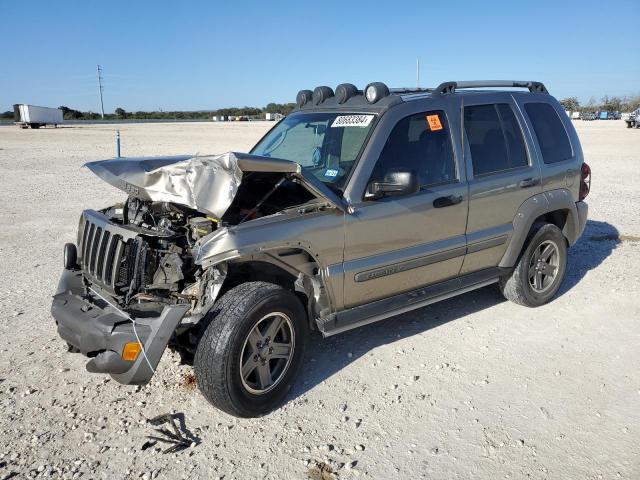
(101, 332)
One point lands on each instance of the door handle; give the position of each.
(447, 201)
(528, 182)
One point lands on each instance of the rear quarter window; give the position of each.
(550, 132)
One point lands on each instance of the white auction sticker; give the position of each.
(352, 121)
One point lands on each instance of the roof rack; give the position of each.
(451, 87)
(402, 91)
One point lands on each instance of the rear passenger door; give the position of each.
(501, 173)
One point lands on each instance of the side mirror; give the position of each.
(396, 182)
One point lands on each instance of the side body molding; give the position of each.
(532, 208)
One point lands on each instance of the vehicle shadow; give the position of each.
(325, 357)
(594, 246)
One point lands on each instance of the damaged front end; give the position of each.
(135, 283)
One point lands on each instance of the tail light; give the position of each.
(585, 181)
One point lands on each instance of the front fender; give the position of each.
(264, 243)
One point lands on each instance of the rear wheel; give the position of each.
(252, 349)
(540, 269)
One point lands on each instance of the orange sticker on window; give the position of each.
(434, 122)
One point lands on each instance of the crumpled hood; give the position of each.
(205, 183)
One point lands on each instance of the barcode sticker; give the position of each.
(352, 121)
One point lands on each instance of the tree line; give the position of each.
(606, 104)
(121, 114)
(572, 104)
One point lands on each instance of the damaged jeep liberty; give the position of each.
(358, 206)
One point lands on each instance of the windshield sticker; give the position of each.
(331, 173)
(434, 122)
(352, 121)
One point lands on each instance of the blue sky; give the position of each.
(203, 55)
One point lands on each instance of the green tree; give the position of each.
(611, 104)
(120, 112)
(70, 113)
(571, 104)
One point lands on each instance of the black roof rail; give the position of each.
(401, 91)
(450, 87)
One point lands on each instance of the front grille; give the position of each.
(107, 251)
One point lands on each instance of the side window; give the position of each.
(420, 143)
(495, 138)
(513, 136)
(550, 132)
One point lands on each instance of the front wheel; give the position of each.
(540, 269)
(252, 349)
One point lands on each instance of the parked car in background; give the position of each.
(633, 119)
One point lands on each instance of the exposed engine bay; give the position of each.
(157, 264)
(142, 257)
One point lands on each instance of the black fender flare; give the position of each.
(535, 206)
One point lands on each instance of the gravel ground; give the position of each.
(473, 387)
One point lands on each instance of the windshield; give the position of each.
(326, 145)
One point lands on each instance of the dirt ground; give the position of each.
(473, 387)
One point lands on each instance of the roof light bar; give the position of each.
(375, 91)
(320, 94)
(303, 97)
(345, 91)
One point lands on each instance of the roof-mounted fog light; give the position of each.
(320, 94)
(303, 97)
(345, 91)
(375, 91)
(70, 256)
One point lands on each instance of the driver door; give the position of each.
(396, 244)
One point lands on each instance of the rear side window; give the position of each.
(550, 132)
(495, 138)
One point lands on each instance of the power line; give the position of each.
(100, 89)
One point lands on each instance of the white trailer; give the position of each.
(36, 117)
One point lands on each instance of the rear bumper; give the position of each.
(101, 332)
(583, 212)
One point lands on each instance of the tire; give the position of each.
(519, 286)
(226, 344)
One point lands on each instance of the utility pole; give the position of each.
(100, 89)
(417, 72)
